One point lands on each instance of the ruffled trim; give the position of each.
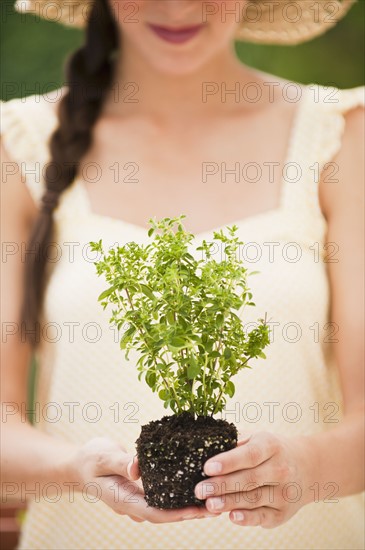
(333, 126)
(25, 131)
(318, 139)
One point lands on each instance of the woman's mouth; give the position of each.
(177, 35)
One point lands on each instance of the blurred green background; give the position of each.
(33, 54)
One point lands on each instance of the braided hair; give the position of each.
(89, 72)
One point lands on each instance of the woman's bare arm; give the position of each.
(340, 451)
(28, 456)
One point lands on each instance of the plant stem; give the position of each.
(145, 341)
(191, 384)
(204, 386)
(220, 393)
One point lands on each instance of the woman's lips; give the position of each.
(178, 35)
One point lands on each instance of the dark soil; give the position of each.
(171, 455)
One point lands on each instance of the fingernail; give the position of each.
(189, 516)
(212, 468)
(238, 516)
(129, 467)
(215, 503)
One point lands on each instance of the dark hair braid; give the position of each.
(89, 73)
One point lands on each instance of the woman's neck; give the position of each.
(141, 89)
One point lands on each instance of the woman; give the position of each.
(148, 125)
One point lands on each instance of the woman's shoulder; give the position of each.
(321, 94)
(316, 101)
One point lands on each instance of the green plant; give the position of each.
(180, 313)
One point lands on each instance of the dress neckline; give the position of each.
(79, 187)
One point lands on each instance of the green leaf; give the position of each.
(147, 291)
(227, 353)
(177, 342)
(193, 369)
(163, 394)
(160, 366)
(151, 378)
(170, 317)
(107, 292)
(230, 388)
(127, 337)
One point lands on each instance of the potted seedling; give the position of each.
(181, 316)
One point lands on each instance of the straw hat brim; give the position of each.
(262, 21)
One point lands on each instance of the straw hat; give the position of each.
(263, 21)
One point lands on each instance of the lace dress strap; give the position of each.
(316, 140)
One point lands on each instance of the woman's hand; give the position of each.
(114, 474)
(264, 481)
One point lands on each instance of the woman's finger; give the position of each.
(126, 498)
(265, 517)
(190, 512)
(133, 469)
(256, 498)
(119, 491)
(118, 463)
(259, 447)
(243, 437)
(267, 473)
(136, 518)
